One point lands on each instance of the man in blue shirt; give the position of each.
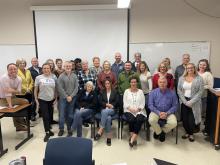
(163, 104)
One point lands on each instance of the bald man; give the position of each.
(162, 104)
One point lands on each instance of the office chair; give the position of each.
(68, 151)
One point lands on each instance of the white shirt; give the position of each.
(187, 88)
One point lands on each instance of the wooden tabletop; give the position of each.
(217, 93)
(12, 110)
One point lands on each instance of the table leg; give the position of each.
(2, 150)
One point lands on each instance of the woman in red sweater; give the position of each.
(162, 72)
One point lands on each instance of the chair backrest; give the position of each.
(68, 151)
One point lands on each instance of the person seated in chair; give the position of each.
(108, 100)
(134, 102)
(163, 104)
(85, 106)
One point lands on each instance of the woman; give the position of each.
(52, 66)
(27, 84)
(59, 64)
(146, 82)
(205, 72)
(134, 102)
(85, 106)
(162, 71)
(108, 101)
(190, 89)
(45, 97)
(106, 74)
(96, 68)
(166, 61)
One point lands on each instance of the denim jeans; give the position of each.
(66, 112)
(106, 119)
(78, 118)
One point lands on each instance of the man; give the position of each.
(67, 89)
(35, 71)
(96, 68)
(118, 65)
(123, 81)
(163, 104)
(181, 68)
(85, 75)
(10, 85)
(136, 63)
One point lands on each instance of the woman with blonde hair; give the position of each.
(190, 89)
(27, 84)
(106, 74)
(162, 72)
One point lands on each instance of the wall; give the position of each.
(151, 21)
(173, 20)
(16, 22)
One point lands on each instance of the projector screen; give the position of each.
(70, 34)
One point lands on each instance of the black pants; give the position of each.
(46, 112)
(188, 119)
(135, 123)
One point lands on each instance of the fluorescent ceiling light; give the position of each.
(123, 3)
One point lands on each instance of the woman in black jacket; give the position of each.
(85, 106)
(108, 101)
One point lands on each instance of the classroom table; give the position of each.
(19, 111)
(2, 150)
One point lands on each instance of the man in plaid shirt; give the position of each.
(86, 75)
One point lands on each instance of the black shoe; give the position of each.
(205, 133)
(162, 136)
(135, 142)
(97, 136)
(51, 133)
(197, 129)
(46, 137)
(131, 144)
(61, 132)
(70, 133)
(186, 136)
(33, 118)
(54, 122)
(85, 124)
(191, 138)
(108, 142)
(156, 136)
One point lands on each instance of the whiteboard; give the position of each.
(154, 53)
(10, 53)
(81, 34)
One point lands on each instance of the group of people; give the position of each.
(126, 88)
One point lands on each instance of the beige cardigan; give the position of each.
(196, 95)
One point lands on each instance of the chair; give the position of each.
(172, 131)
(146, 126)
(91, 121)
(68, 151)
(114, 117)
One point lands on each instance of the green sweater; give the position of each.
(123, 81)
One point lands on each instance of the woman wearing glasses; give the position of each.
(190, 89)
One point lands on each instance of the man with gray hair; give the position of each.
(67, 88)
(85, 75)
(163, 104)
(137, 62)
(181, 68)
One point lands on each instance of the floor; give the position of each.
(199, 152)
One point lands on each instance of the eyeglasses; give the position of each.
(190, 68)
